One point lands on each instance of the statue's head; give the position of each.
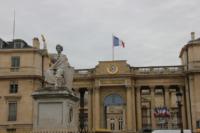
(59, 48)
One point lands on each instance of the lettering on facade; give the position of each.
(112, 82)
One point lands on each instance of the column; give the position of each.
(183, 109)
(138, 103)
(134, 109)
(167, 99)
(129, 108)
(96, 111)
(90, 114)
(187, 105)
(153, 120)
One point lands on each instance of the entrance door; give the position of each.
(114, 112)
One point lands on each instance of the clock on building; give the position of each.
(112, 69)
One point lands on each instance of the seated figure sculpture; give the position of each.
(60, 73)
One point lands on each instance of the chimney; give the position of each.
(192, 36)
(36, 43)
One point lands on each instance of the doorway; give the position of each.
(114, 112)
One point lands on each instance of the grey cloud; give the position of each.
(154, 31)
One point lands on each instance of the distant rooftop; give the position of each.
(16, 43)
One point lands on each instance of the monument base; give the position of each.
(55, 108)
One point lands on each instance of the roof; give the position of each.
(190, 43)
(16, 43)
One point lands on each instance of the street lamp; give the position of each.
(179, 100)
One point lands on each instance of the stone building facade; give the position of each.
(127, 98)
(21, 72)
(119, 97)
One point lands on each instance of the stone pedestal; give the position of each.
(55, 109)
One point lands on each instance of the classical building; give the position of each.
(118, 96)
(21, 72)
(122, 97)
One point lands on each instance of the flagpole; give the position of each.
(113, 52)
(14, 26)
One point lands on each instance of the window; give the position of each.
(12, 130)
(18, 44)
(146, 114)
(145, 91)
(13, 87)
(120, 123)
(198, 124)
(15, 63)
(1, 43)
(158, 91)
(12, 111)
(174, 118)
(112, 124)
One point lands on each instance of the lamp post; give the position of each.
(179, 100)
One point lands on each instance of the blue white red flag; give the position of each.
(117, 42)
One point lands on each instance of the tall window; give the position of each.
(146, 106)
(112, 124)
(13, 87)
(146, 115)
(12, 111)
(174, 118)
(15, 63)
(198, 124)
(120, 123)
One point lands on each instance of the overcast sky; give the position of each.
(154, 31)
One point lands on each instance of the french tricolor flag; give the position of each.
(117, 42)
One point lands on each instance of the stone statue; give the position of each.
(60, 73)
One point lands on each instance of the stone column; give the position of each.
(138, 103)
(129, 108)
(134, 109)
(182, 90)
(167, 99)
(90, 114)
(187, 105)
(153, 119)
(167, 102)
(96, 111)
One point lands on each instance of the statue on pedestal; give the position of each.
(56, 97)
(60, 73)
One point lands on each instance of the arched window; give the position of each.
(113, 99)
(113, 110)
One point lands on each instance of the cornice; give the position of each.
(21, 77)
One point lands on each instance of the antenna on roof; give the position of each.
(14, 27)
